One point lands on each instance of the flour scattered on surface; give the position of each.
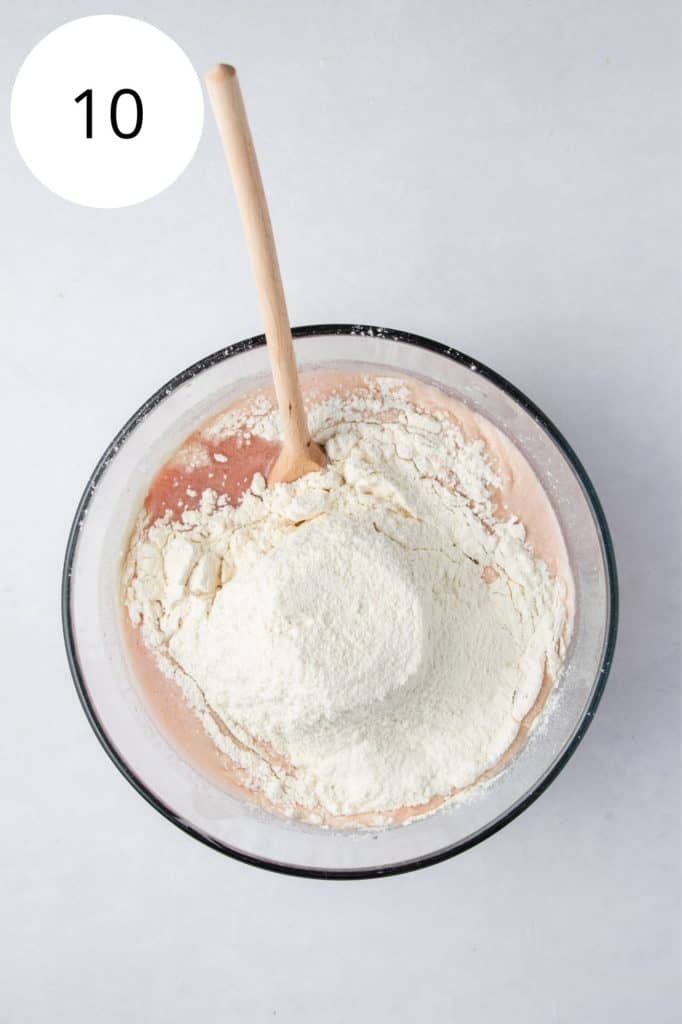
(366, 639)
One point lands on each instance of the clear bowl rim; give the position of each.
(400, 337)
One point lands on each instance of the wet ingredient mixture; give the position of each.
(361, 645)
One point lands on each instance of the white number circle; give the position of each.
(107, 111)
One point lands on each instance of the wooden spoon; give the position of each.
(299, 454)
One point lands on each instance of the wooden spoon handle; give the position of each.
(228, 107)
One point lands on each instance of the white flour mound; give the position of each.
(364, 639)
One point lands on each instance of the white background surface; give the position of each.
(501, 176)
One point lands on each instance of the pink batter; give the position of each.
(228, 465)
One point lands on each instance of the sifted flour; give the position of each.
(366, 639)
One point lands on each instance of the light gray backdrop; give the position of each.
(502, 176)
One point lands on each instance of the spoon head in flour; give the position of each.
(294, 462)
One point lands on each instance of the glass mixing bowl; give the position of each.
(157, 771)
